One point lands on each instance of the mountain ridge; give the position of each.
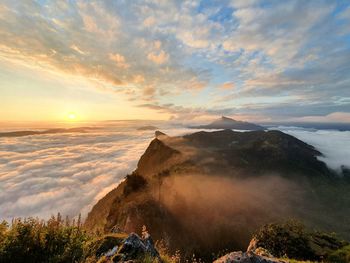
(245, 178)
(229, 123)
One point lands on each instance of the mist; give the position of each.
(333, 144)
(228, 210)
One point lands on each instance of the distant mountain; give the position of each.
(223, 185)
(228, 123)
(50, 131)
(147, 128)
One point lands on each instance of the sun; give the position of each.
(72, 116)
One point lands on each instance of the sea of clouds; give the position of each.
(333, 144)
(41, 175)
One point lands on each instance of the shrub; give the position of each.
(134, 182)
(292, 240)
(34, 240)
(288, 239)
(341, 255)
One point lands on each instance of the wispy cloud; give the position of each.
(162, 51)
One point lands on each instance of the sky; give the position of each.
(175, 60)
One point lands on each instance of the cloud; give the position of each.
(158, 57)
(93, 40)
(332, 117)
(227, 85)
(119, 60)
(149, 92)
(335, 145)
(77, 49)
(41, 175)
(186, 48)
(44, 174)
(149, 21)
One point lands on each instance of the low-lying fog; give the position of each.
(41, 175)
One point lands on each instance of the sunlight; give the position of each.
(72, 116)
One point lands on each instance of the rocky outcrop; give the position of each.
(259, 251)
(247, 257)
(159, 134)
(254, 254)
(134, 248)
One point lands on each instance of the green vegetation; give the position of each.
(341, 255)
(33, 240)
(56, 240)
(287, 239)
(292, 240)
(134, 182)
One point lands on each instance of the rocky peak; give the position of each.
(157, 157)
(159, 134)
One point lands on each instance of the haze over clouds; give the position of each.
(258, 60)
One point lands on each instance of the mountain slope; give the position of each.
(223, 184)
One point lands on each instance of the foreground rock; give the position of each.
(246, 257)
(254, 254)
(133, 248)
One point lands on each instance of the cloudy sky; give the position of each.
(182, 60)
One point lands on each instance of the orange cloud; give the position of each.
(227, 85)
(119, 60)
(159, 58)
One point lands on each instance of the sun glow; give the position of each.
(72, 116)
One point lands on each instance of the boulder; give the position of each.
(149, 244)
(111, 252)
(246, 257)
(102, 245)
(260, 251)
(253, 245)
(134, 248)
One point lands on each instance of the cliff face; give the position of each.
(224, 185)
